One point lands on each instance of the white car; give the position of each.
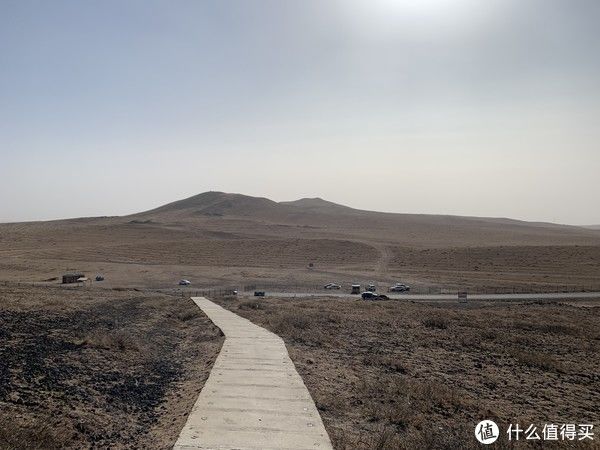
(332, 286)
(184, 282)
(400, 288)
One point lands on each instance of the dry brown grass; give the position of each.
(256, 241)
(540, 361)
(88, 369)
(522, 268)
(398, 375)
(116, 341)
(436, 322)
(39, 433)
(251, 304)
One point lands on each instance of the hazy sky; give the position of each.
(470, 107)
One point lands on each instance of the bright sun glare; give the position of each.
(382, 17)
(414, 6)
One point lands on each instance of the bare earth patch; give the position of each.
(217, 239)
(99, 368)
(394, 375)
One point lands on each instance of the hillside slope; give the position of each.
(221, 238)
(261, 215)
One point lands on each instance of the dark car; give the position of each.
(372, 296)
(259, 293)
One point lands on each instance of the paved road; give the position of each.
(449, 297)
(254, 398)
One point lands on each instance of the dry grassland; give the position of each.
(217, 239)
(100, 368)
(400, 375)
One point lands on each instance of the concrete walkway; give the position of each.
(253, 398)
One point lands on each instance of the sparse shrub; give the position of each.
(111, 341)
(401, 408)
(540, 361)
(438, 322)
(489, 335)
(302, 328)
(389, 362)
(188, 315)
(384, 439)
(554, 328)
(297, 321)
(252, 304)
(438, 394)
(550, 328)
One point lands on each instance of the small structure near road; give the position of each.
(355, 289)
(72, 277)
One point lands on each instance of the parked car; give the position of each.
(184, 282)
(399, 287)
(371, 288)
(332, 286)
(373, 296)
(259, 293)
